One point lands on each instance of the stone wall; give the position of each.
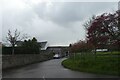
(0, 67)
(9, 61)
(0, 62)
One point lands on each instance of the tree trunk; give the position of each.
(13, 47)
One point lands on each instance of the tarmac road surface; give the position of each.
(49, 69)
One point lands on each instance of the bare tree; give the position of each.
(13, 38)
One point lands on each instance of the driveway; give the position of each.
(49, 69)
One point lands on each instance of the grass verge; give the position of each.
(99, 64)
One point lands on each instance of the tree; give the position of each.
(35, 45)
(31, 46)
(104, 30)
(13, 38)
(89, 22)
(81, 46)
(113, 24)
(91, 38)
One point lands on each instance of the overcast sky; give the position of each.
(59, 23)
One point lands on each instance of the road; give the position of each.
(49, 69)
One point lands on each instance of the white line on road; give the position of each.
(65, 69)
(43, 78)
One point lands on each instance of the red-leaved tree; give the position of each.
(104, 30)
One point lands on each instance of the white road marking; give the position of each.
(43, 78)
(65, 69)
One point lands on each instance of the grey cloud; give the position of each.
(63, 36)
(17, 19)
(66, 12)
(0, 25)
(60, 13)
(60, 23)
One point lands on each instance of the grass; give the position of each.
(100, 64)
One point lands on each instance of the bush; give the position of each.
(27, 47)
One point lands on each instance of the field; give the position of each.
(101, 63)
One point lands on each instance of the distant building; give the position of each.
(101, 50)
(61, 50)
(19, 43)
(45, 48)
(43, 45)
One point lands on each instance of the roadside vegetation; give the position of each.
(102, 63)
(29, 46)
(103, 34)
